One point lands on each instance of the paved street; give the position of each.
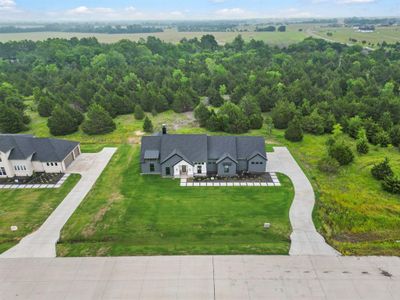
(42, 242)
(201, 277)
(305, 240)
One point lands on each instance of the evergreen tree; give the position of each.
(395, 135)
(314, 123)
(11, 120)
(362, 146)
(139, 113)
(214, 97)
(75, 114)
(202, 114)
(341, 152)
(147, 125)
(98, 121)
(283, 113)
(294, 132)
(382, 170)
(45, 107)
(61, 122)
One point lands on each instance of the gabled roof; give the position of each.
(178, 153)
(23, 147)
(256, 153)
(226, 155)
(247, 145)
(151, 154)
(219, 145)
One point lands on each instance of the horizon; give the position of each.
(206, 10)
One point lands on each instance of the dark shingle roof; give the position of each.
(151, 154)
(41, 149)
(200, 147)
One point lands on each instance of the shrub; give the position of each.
(256, 121)
(383, 139)
(391, 184)
(362, 146)
(61, 122)
(294, 133)
(395, 136)
(328, 165)
(342, 153)
(382, 170)
(282, 113)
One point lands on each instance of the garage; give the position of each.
(68, 160)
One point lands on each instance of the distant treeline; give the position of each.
(363, 21)
(216, 26)
(82, 28)
(271, 28)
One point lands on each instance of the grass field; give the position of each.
(28, 209)
(173, 36)
(149, 215)
(353, 212)
(342, 35)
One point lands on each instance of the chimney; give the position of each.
(164, 129)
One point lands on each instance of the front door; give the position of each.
(183, 170)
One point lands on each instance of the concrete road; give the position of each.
(305, 240)
(201, 277)
(42, 242)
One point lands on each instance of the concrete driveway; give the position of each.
(305, 240)
(202, 277)
(41, 243)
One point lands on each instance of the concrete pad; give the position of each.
(236, 184)
(263, 184)
(203, 184)
(229, 184)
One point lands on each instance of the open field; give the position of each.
(342, 35)
(28, 209)
(173, 36)
(353, 212)
(149, 215)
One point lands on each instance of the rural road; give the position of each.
(201, 277)
(305, 240)
(42, 243)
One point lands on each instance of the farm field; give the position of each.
(342, 35)
(28, 209)
(173, 36)
(149, 215)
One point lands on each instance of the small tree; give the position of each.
(61, 122)
(341, 152)
(354, 125)
(395, 136)
(11, 120)
(99, 121)
(202, 114)
(382, 170)
(294, 133)
(391, 184)
(147, 125)
(139, 113)
(383, 138)
(282, 113)
(256, 121)
(45, 107)
(269, 125)
(362, 146)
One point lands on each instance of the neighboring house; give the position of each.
(22, 155)
(188, 155)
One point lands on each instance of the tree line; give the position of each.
(314, 84)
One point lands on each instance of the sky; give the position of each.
(91, 10)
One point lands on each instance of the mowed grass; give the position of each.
(129, 214)
(172, 36)
(28, 209)
(353, 212)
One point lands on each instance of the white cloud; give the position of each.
(84, 10)
(355, 1)
(295, 13)
(234, 13)
(7, 5)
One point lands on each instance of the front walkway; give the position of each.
(42, 243)
(202, 278)
(271, 181)
(305, 240)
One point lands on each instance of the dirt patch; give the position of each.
(359, 237)
(188, 121)
(133, 140)
(139, 133)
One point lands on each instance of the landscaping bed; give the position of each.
(243, 177)
(36, 178)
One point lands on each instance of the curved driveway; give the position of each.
(42, 243)
(305, 238)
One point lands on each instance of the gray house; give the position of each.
(188, 155)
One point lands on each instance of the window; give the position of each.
(252, 162)
(168, 171)
(52, 164)
(226, 169)
(56, 164)
(2, 171)
(199, 169)
(48, 164)
(152, 168)
(0, 159)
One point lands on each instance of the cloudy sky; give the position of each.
(191, 9)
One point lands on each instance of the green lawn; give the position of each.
(28, 209)
(353, 212)
(130, 214)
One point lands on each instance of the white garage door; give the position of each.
(68, 160)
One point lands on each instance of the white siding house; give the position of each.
(23, 155)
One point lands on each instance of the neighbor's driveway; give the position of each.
(305, 240)
(42, 243)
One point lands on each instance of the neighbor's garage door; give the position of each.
(68, 160)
